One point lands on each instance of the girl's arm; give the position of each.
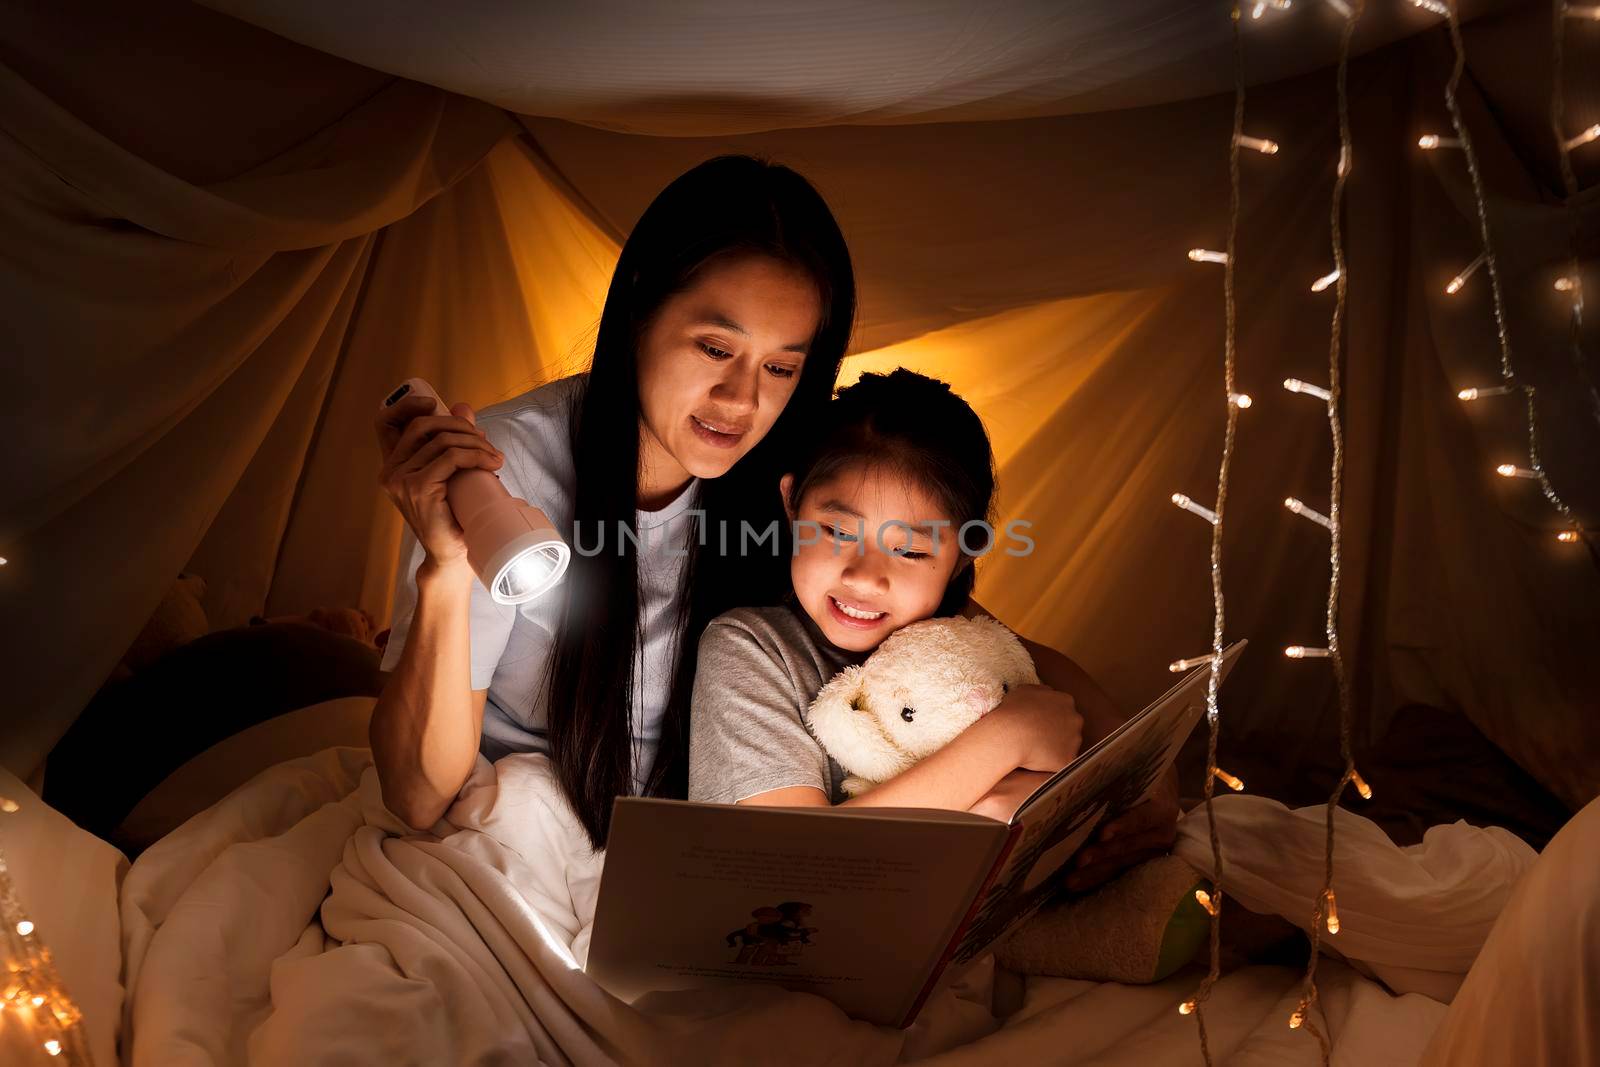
(1034, 729)
(1138, 834)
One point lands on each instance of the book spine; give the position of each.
(961, 928)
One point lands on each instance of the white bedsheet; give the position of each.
(460, 947)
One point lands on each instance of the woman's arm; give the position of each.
(425, 726)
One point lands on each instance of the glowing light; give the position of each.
(9, 806)
(1179, 665)
(1326, 280)
(1333, 915)
(1294, 505)
(1188, 504)
(1511, 470)
(1229, 780)
(1260, 144)
(1566, 285)
(1431, 5)
(1295, 385)
(1205, 255)
(1211, 906)
(1481, 391)
(53, 1047)
(1461, 279)
(1582, 11)
(1568, 537)
(1430, 141)
(1591, 134)
(1296, 1019)
(1186, 1008)
(1305, 652)
(1361, 784)
(25, 928)
(1240, 400)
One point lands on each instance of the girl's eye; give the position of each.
(914, 555)
(834, 531)
(713, 351)
(778, 370)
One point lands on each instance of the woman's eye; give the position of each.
(713, 351)
(778, 370)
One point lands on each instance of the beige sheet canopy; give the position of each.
(222, 247)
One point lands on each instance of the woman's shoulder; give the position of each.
(532, 429)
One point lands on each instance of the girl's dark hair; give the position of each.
(728, 206)
(918, 427)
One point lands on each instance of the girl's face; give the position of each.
(718, 362)
(867, 574)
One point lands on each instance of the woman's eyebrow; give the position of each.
(717, 318)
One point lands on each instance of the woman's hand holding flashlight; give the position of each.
(421, 451)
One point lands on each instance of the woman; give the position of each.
(721, 337)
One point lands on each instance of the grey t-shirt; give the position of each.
(758, 671)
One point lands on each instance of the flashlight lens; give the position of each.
(528, 575)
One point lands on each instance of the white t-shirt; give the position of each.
(511, 644)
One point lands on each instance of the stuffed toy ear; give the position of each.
(849, 730)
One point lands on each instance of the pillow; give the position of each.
(67, 881)
(228, 764)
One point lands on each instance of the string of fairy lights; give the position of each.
(32, 996)
(1325, 912)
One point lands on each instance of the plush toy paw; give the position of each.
(1138, 928)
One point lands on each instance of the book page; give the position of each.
(857, 905)
(1118, 773)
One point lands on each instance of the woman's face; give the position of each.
(873, 552)
(718, 362)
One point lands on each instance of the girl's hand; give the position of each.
(1044, 725)
(1136, 835)
(420, 453)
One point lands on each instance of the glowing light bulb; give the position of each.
(1430, 141)
(25, 928)
(1326, 280)
(1179, 665)
(1212, 907)
(1591, 134)
(3, 561)
(1186, 1008)
(1256, 12)
(1461, 279)
(1361, 784)
(1566, 285)
(1205, 255)
(1294, 505)
(1333, 915)
(53, 1047)
(1568, 537)
(1481, 391)
(1296, 1019)
(1511, 470)
(1260, 144)
(37, 1001)
(9, 806)
(1306, 652)
(1240, 400)
(1187, 504)
(1229, 780)
(1295, 385)
(1431, 5)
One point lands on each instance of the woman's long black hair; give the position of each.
(730, 205)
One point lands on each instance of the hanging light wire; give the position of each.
(1502, 334)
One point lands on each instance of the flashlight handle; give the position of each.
(416, 387)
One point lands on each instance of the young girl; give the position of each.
(878, 504)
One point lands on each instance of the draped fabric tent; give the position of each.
(231, 229)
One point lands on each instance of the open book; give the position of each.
(865, 906)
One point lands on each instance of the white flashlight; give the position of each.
(512, 546)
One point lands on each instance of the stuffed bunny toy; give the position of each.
(925, 684)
